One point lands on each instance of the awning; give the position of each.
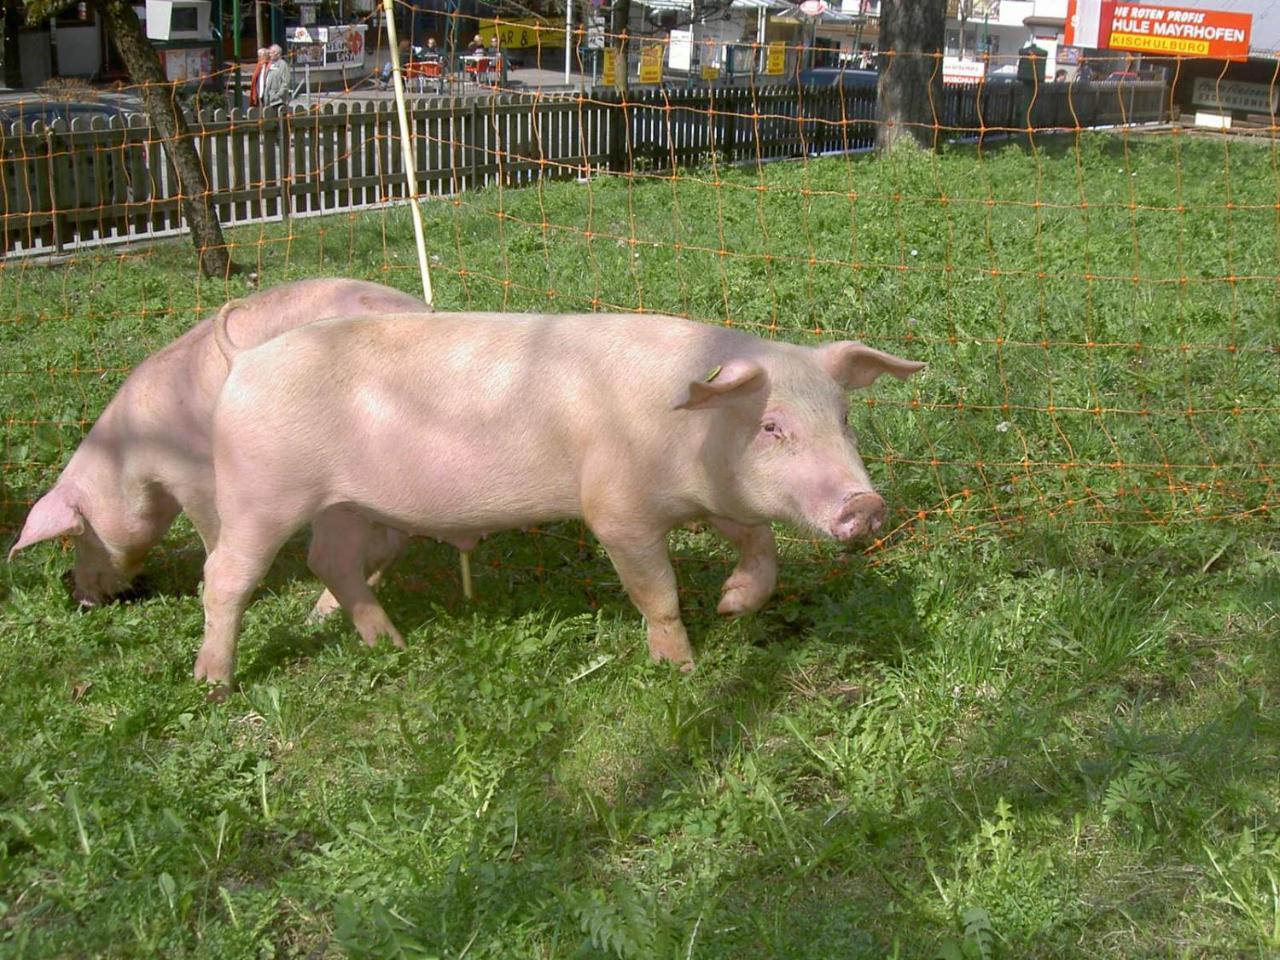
(817, 11)
(687, 5)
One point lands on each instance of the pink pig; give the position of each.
(149, 454)
(497, 421)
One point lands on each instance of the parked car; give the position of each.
(838, 77)
(28, 112)
(70, 177)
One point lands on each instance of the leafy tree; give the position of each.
(910, 85)
(160, 102)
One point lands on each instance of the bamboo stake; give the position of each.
(415, 209)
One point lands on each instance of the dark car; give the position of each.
(28, 112)
(838, 77)
(80, 170)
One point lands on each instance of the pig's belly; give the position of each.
(458, 489)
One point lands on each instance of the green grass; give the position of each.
(1039, 721)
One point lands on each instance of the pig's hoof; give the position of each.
(743, 595)
(325, 607)
(687, 666)
(212, 670)
(218, 693)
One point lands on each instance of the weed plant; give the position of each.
(1038, 720)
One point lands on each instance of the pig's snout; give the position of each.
(860, 515)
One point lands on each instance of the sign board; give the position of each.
(775, 62)
(680, 50)
(335, 47)
(171, 20)
(523, 34)
(1234, 95)
(651, 63)
(955, 70)
(1214, 121)
(610, 68)
(1176, 31)
(710, 73)
(595, 32)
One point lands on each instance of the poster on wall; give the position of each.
(651, 63)
(186, 65)
(775, 64)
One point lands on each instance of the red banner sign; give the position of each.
(1169, 31)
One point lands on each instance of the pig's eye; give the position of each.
(771, 428)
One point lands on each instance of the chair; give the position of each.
(424, 70)
(478, 68)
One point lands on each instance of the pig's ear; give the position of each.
(52, 516)
(854, 366)
(725, 384)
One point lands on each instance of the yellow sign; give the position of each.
(522, 34)
(709, 72)
(651, 63)
(1135, 41)
(610, 68)
(775, 64)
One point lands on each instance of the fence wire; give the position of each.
(1093, 282)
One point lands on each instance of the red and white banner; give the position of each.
(1171, 31)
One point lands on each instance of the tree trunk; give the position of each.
(10, 23)
(910, 87)
(159, 100)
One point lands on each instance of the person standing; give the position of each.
(497, 62)
(259, 82)
(1031, 63)
(276, 90)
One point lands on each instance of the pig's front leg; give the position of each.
(755, 577)
(640, 556)
(231, 572)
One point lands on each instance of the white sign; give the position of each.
(1214, 121)
(680, 50)
(595, 32)
(955, 70)
(1234, 95)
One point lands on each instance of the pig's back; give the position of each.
(486, 419)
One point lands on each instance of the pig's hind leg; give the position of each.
(754, 579)
(383, 545)
(342, 542)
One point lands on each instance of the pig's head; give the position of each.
(101, 570)
(783, 440)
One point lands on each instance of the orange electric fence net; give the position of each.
(1092, 279)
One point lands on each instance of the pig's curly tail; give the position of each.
(220, 335)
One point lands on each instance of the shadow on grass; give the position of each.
(558, 876)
